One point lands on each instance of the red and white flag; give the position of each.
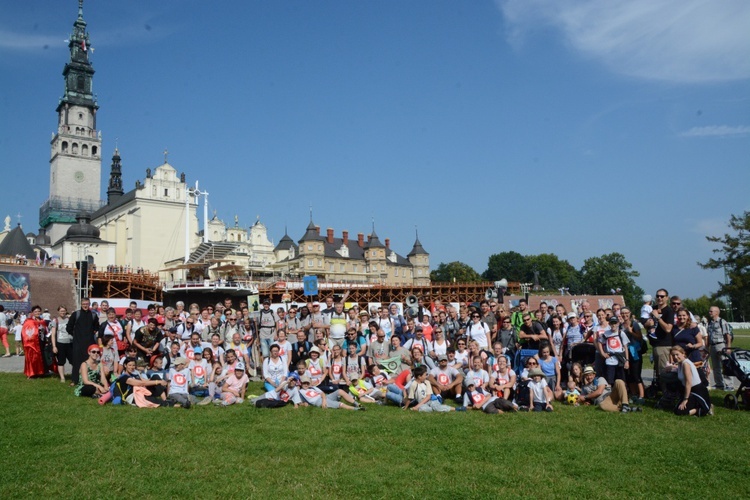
(83, 45)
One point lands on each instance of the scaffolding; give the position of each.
(364, 294)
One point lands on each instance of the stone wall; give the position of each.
(49, 287)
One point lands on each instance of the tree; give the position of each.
(455, 271)
(553, 272)
(699, 307)
(734, 259)
(601, 275)
(509, 265)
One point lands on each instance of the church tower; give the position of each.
(75, 160)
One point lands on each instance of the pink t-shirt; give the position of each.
(237, 383)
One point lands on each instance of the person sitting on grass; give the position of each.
(595, 390)
(420, 396)
(132, 377)
(502, 379)
(695, 399)
(180, 377)
(478, 399)
(109, 356)
(477, 374)
(364, 392)
(550, 366)
(286, 392)
(313, 396)
(378, 378)
(354, 365)
(199, 368)
(92, 382)
(233, 390)
(274, 369)
(315, 367)
(446, 381)
(538, 394)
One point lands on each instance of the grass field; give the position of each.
(54, 444)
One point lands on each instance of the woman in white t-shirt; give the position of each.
(274, 370)
(439, 345)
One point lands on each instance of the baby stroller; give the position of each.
(522, 355)
(583, 353)
(736, 363)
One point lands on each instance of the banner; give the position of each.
(15, 292)
(311, 285)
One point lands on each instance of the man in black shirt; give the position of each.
(83, 327)
(663, 318)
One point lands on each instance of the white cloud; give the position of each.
(717, 131)
(684, 41)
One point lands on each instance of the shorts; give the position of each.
(64, 353)
(333, 400)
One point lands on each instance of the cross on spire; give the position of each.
(18, 216)
(166, 153)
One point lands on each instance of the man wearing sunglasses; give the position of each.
(663, 319)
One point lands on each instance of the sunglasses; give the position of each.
(532, 363)
(95, 352)
(662, 296)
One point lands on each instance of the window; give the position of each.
(395, 272)
(309, 247)
(330, 266)
(309, 262)
(94, 151)
(85, 150)
(354, 268)
(75, 148)
(419, 272)
(374, 253)
(382, 267)
(65, 146)
(320, 248)
(320, 262)
(166, 192)
(342, 267)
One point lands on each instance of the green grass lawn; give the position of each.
(54, 444)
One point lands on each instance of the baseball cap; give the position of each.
(442, 357)
(571, 315)
(613, 319)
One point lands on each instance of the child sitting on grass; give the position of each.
(420, 396)
(233, 390)
(481, 400)
(313, 396)
(538, 394)
(179, 381)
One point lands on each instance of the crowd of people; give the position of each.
(434, 357)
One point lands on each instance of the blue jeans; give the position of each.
(265, 347)
(395, 394)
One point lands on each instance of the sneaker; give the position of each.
(459, 399)
(523, 408)
(461, 408)
(625, 409)
(205, 401)
(637, 409)
(711, 410)
(218, 402)
(361, 408)
(439, 399)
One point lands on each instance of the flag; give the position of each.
(392, 365)
(83, 45)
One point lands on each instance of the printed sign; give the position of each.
(15, 291)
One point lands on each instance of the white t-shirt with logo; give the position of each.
(179, 381)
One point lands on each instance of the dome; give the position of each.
(83, 227)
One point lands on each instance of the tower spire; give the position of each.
(114, 189)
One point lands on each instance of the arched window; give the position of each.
(85, 150)
(94, 151)
(65, 146)
(75, 148)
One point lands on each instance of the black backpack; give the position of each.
(269, 403)
(522, 393)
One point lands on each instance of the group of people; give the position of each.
(322, 354)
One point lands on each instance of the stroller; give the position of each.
(736, 363)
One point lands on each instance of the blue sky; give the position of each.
(573, 127)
